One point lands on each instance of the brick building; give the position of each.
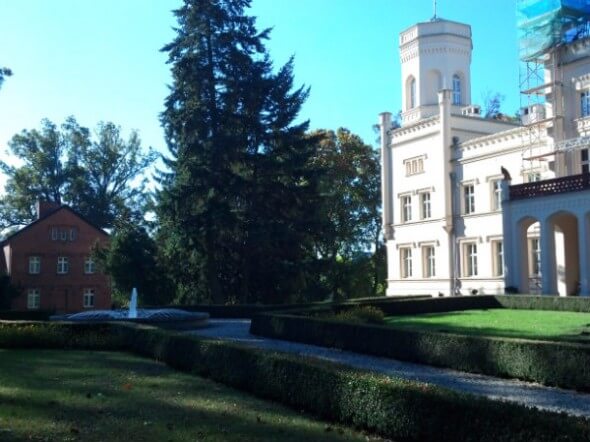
(49, 261)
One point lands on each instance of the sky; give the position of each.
(101, 60)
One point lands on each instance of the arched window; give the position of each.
(411, 93)
(456, 89)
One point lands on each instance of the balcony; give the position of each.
(572, 183)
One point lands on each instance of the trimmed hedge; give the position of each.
(559, 303)
(25, 315)
(59, 335)
(402, 410)
(551, 363)
(250, 310)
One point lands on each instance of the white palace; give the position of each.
(475, 205)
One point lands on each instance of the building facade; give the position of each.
(50, 262)
(445, 170)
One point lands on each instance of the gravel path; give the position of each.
(529, 394)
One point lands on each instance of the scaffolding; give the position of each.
(544, 27)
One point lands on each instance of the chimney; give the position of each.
(44, 208)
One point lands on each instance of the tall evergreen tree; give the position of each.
(238, 182)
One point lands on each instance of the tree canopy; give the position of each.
(350, 210)
(238, 194)
(96, 175)
(4, 72)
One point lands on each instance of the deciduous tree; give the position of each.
(351, 203)
(94, 175)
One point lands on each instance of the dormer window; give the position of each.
(456, 90)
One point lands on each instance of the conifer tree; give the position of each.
(238, 187)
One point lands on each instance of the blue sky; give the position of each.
(100, 60)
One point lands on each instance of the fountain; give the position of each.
(133, 304)
(163, 317)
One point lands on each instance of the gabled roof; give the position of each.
(49, 215)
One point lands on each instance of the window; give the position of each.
(425, 205)
(584, 160)
(534, 257)
(406, 208)
(88, 298)
(456, 90)
(34, 265)
(585, 103)
(72, 234)
(468, 198)
(414, 166)
(406, 261)
(498, 258)
(428, 262)
(88, 265)
(497, 195)
(412, 93)
(63, 265)
(33, 299)
(533, 177)
(470, 250)
(54, 233)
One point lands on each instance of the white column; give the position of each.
(509, 234)
(548, 259)
(444, 104)
(386, 175)
(583, 254)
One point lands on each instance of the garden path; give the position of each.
(526, 393)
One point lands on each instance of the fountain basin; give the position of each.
(169, 318)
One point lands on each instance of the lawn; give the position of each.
(98, 396)
(532, 324)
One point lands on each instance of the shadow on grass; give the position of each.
(119, 397)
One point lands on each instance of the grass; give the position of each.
(530, 324)
(49, 395)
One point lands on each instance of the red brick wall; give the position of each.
(59, 292)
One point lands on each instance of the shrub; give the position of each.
(361, 314)
(559, 303)
(25, 315)
(398, 409)
(58, 335)
(551, 363)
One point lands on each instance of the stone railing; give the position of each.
(572, 183)
(583, 125)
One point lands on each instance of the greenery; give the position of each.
(238, 205)
(96, 396)
(401, 410)
(530, 324)
(563, 364)
(53, 335)
(131, 260)
(4, 72)
(67, 165)
(556, 303)
(7, 291)
(252, 207)
(361, 314)
(351, 197)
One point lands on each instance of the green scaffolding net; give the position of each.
(544, 24)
